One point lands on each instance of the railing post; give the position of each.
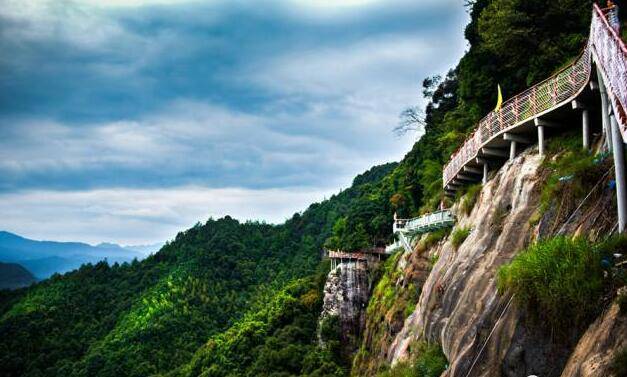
(585, 128)
(619, 169)
(541, 140)
(484, 180)
(512, 150)
(605, 120)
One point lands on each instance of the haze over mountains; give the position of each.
(44, 258)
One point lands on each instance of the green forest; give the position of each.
(226, 298)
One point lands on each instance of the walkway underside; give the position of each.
(496, 151)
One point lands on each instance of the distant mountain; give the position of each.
(145, 249)
(13, 276)
(43, 258)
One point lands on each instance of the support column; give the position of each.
(485, 173)
(585, 125)
(512, 150)
(604, 111)
(619, 169)
(541, 140)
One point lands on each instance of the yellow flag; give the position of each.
(499, 100)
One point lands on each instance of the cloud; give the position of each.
(159, 94)
(133, 216)
(191, 143)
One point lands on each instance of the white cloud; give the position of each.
(141, 216)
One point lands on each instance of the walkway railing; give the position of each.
(405, 229)
(553, 93)
(610, 54)
(425, 223)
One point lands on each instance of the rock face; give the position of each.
(481, 332)
(594, 352)
(394, 296)
(346, 295)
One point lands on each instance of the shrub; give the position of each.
(572, 171)
(560, 280)
(469, 199)
(429, 361)
(431, 239)
(619, 363)
(459, 236)
(622, 303)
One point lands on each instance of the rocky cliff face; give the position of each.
(481, 332)
(604, 338)
(346, 294)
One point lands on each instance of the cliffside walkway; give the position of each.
(406, 229)
(363, 255)
(596, 82)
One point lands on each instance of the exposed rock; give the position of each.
(460, 308)
(346, 294)
(386, 315)
(596, 348)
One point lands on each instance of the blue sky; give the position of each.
(130, 121)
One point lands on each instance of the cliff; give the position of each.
(483, 332)
(346, 294)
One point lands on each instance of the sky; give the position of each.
(130, 120)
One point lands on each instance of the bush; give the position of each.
(560, 280)
(619, 363)
(469, 199)
(572, 171)
(459, 236)
(431, 239)
(429, 362)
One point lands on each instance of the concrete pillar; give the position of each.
(605, 120)
(619, 169)
(585, 128)
(541, 140)
(512, 150)
(485, 173)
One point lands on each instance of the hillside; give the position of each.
(212, 280)
(13, 276)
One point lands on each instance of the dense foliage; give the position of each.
(562, 281)
(429, 362)
(151, 317)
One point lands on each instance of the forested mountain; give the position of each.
(12, 276)
(150, 317)
(230, 298)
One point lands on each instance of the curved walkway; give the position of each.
(524, 112)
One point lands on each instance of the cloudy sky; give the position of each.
(130, 121)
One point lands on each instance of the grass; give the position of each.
(619, 363)
(431, 239)
(572, 171)
(459, 235)
(561, 280)
(469, 199)
(622, 304)
(429, 361)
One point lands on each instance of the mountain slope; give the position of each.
(12, 276)
(150, 317)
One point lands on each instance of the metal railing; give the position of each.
(407, 228)
(442, 217)
(610, 55)
(554, 92)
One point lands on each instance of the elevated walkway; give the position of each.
(364, 255)
(406, 229)
(554, 103)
